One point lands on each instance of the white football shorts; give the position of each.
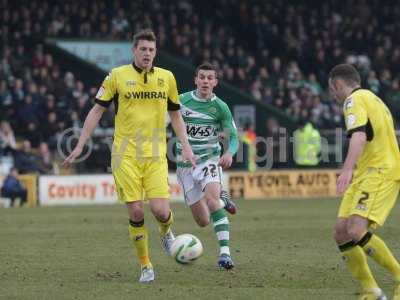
(194, 181)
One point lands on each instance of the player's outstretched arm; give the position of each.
(180, 130)
(356, 147)
(91, 121)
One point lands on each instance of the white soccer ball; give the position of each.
(186, 248)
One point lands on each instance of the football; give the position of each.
(186, 248)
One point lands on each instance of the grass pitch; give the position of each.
(283, 249)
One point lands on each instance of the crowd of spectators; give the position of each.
(279, 52)
(38, 102)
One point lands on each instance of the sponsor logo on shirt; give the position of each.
(198, 131)
(212, 110)
(139, 237)
(362, 207)
(160, 82)
(152, 95)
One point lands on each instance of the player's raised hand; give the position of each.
(187, 155)
(226, 160)
(344, 180)
(73, 156)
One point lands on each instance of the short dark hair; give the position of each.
(208, 67)
(145, 34)
(346, 72)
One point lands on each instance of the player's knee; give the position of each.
(202, 222)
(355, 232)
(339, 236)
(136, 214)
(340, 233)
(135, 210)
(357, 226)
(160, 213)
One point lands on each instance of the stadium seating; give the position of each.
(280, 54)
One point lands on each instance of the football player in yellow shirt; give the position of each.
(369, 179)
(142, 95)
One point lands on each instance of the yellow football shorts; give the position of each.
(372, 196)
(139, 179)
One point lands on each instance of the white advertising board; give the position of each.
(88, 189)
(76, 189)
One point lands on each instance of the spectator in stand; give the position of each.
(119, 24)
(5, 97)
(17, 91)
(33, 135)
(285, 67)
(28, 112)
(83, 107)
(50, 128)
(7, 138)
(49, 106)
(12, 188)
(306, 145)
(46, 162)
(25, 160)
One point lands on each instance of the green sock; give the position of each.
(221, 228)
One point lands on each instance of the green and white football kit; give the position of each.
(205, 120)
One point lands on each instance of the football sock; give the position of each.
(164, 226)
(222, 203)
(221, 228)
(356, 262)
(139, 236)
(376, 248)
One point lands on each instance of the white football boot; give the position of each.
(167, 240)
(375, 294)
(147, 275)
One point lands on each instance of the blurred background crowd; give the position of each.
(279, 53)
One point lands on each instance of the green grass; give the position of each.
(282, 250)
